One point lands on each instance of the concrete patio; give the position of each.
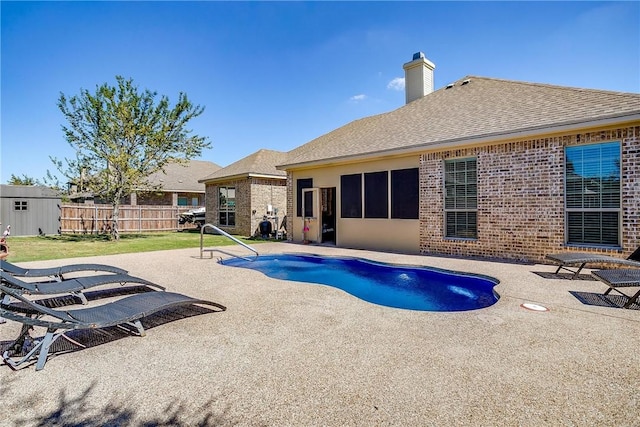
(295, 354)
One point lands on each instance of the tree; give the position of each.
(121, 136)
(24, 180)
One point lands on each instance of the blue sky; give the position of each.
(278, 74)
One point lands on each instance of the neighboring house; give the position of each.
(239, 195)
(179, 183)
(482, 167)
(178, 186)
(30, 210)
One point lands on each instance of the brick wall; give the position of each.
(251, 194)
(243, 206)
(155, 199)
(268, 192)
(163, 198)
(521, 197)
(631, 192)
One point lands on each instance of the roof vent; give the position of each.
(449, 86)
(464, 82)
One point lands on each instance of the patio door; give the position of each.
(311, 214)
(328, 214)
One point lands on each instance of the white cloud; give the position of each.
(358, 98)
(396, 84)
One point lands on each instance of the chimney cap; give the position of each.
(418, 55)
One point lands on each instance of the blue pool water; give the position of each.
(392, 285)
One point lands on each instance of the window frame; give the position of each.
(465, 210)
(228, 212)
(399, 207)
(354, 202)
(301, 184)
(376, 201)
(602, 211)
(20, 205)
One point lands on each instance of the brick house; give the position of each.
(178, 185)
(239, 195)
(482, 167)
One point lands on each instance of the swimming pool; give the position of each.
(392, 285)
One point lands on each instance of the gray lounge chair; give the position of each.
(581, 259)
(123, 312)
(74, 286)
(57, 272)
(620, 278)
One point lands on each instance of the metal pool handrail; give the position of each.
(224, 233)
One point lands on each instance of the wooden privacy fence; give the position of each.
(96, 219)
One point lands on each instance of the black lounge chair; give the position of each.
(123, 312)
(620, 278)
(74, 286)
(580, 259)
(57, 272)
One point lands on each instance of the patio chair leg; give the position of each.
(137, 325)
(575, 274)
(44, 349)
(140, 328)
(40, 348)
(80, 295)
(632, 300)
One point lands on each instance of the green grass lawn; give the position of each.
(72, 246)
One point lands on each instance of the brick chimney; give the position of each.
(418, 77)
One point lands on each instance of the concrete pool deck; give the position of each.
(294, 354)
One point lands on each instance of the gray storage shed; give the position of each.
(30, 210)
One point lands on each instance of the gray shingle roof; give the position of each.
(482, 108)
(260, 163)
(184, 177)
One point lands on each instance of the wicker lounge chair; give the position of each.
(580, 259)
(56, 272)
(123, 312)
(620, 278)
(74, 286)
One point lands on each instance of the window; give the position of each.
(376, 195)
(227, 206)
(20, 205)
(461, 198)
(184, 201)
(405, 193)
(592, 194)
(308, 203)
(351, 196)
(300, 185)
